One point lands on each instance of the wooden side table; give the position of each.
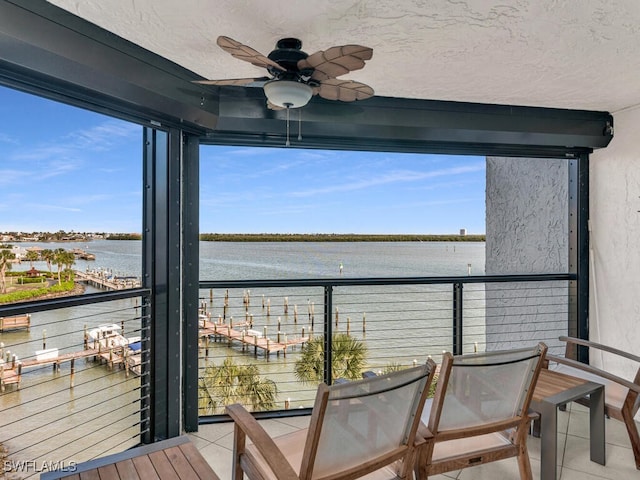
(553, 390)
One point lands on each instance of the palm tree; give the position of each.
(5, 264)
(68, 260)
(48, 256)
(232, 383)
(32, 256)
(348, 359)
(60, 259)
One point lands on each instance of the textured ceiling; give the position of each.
(553, 53)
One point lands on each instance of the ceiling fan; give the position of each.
(296, 76)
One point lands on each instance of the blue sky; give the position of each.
(66, 168)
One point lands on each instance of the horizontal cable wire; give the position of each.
(46, 402)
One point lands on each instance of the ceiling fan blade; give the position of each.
(344, 90)
(232, 81)
(336, 61)
(248, 54)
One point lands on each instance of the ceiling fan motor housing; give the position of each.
(288, 53)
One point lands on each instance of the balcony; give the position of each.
(66, 411)
(46, 54)
(215, 443)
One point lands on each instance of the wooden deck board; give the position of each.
(181, 464)
(173, 459)
(108, 472)
(163, 466)
(197, 461)
(144, 468)
(90, 475)
(126, 469)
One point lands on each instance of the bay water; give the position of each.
(227, 261)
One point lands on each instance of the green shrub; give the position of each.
(37, 292)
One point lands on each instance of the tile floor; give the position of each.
(215, 443)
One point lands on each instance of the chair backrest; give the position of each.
(360, 426)
(479, 389)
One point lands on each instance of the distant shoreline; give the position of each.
(335, 237)
(283, 237)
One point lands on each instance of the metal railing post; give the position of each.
(457, 318)
(328, 333)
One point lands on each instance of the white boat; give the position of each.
(109, 336)
(47, 354)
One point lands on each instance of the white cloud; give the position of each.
(398, 176)
(4, 138)
(49, 207)
(12, 176)
(104, 135)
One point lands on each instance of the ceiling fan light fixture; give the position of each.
(287, 93)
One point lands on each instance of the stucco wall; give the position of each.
(526, 227)
(614, 309)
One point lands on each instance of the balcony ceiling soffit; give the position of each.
(526, 52)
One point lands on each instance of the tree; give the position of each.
(68, 260)
(348, 359)
(232, 383)
(63, 258)
(48, 256)
(32, 256)
(5, 257)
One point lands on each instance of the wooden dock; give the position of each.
(11, 372)
(102, 280)
(10, 376)
(15, 323)
(248, 338)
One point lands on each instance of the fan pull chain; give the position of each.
(288, 108)
(299, 124)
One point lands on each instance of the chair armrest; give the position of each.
(604, 348)
(596, 371)
(484, 429)
(262, 441)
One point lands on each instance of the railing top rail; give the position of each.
(73, 301)
(340, 281)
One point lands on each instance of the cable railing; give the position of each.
(73, 380)
(263, 343)
(68, 395)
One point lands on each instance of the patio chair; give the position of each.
(357, 428)
(621, 396)
(479, 413)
